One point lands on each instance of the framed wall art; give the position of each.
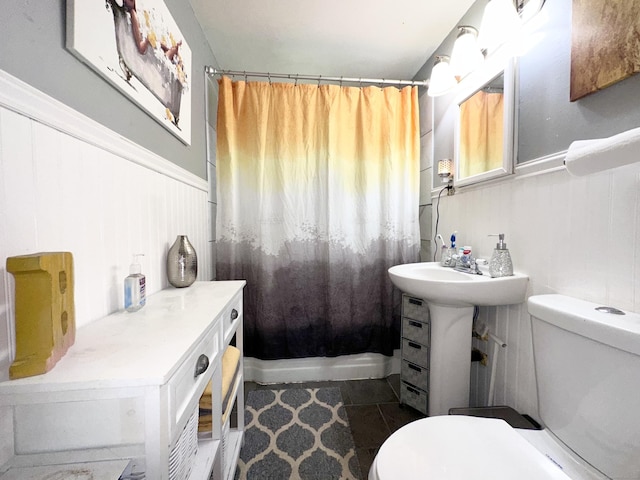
(604, 44)
(137, 46)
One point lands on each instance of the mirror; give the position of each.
(485, 126)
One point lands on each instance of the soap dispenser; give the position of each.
(134, 287)
(500, 264)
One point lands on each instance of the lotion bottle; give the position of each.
(134, 287)
(500, 264)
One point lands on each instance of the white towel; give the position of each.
(590, 156)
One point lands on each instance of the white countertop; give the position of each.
(157, 337)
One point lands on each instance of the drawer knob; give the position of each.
(234, 314)
(414, 345)
(415, 324)
(201, 365)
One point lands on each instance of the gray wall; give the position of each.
(33, 50)
(547, 121)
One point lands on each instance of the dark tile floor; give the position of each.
(373, 407)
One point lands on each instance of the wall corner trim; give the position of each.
(22, 98)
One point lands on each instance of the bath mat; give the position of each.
(297, 434)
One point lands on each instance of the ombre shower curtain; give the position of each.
(317, 197)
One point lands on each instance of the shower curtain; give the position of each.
(481, 133)
(317, 197)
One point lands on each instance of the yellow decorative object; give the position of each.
(45, 311)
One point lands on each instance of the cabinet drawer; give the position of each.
(232, 317)
(415, 352)
(413, 397)
(188, 383)
(415, 330)
(415, 375)
(415, 308)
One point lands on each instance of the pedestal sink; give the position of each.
(451, 296)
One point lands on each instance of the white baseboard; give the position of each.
(346, 367)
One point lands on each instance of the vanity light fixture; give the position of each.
(442, 79)
(466, 55)
(500, 22)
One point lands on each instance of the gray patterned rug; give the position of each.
(297, 434)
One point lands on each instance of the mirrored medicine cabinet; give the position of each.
(484, 139)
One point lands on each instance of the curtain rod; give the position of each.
(316, 78)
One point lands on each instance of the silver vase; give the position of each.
(182, 263)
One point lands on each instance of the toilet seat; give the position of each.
(461, 447)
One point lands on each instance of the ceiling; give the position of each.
(350, 38)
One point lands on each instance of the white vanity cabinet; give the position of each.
(414, 371)
(128, 389)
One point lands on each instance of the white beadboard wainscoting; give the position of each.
(69, 184)
(577, 236)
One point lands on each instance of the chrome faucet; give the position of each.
(468, 264)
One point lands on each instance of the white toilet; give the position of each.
(588, 376)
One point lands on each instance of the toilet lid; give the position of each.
(459, 447)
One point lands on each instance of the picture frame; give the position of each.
(604, 44)
(136, 46)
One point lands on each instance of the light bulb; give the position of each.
(500, 22)
(466, 55)
(442, 79)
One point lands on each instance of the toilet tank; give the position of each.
(588, 377)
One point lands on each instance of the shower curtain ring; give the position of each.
(319, 78)
(245, 75)
(341, 80)
(360, 82)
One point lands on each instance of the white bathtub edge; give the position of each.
(346, 367)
